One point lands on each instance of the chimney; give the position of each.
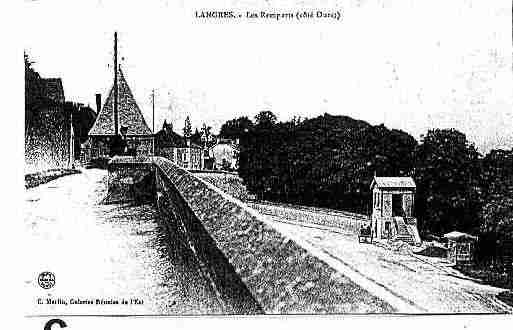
(98, 103)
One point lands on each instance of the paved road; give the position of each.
(406, 282)
(108, 252)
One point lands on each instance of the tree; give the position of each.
(327, 161)
(446, 173)
(495, 243)
(497, 173)
(83, 119)
(496, 231)
(235, 128)
(265, 119)
(187, 128)
(206, 135)
(33, 92)
(196, 136)
(497, 217)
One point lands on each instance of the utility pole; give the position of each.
(153, 118)
(72, 140)
(115, 83)
(153, 108)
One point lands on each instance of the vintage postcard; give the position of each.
(267, 157)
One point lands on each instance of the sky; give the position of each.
(410, 64)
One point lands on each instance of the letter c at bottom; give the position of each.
(61, 323)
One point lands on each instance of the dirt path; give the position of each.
(406, 282)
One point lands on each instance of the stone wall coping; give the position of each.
(130, 160)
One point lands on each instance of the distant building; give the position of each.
(138, 136)
(180, 150)
(392, 209)
(85, 151)
(461, 247)
(225, 153)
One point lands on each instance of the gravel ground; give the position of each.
(109, 252)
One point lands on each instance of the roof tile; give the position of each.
(128, 112)
(394, 182)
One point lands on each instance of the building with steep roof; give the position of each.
(392, 209)
(139, 137)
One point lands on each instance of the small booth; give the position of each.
(392, 209)
(460, 247)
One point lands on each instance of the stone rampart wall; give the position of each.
(253, 266)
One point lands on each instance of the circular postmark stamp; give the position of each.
(46, 280)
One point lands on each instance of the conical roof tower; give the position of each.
(129, 114)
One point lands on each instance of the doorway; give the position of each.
(397, 205)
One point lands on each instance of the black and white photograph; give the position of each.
(288, 158)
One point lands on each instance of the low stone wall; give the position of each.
(131, 179)
(180, 218)
(344, 221)
(35, 179)
(228, 182)
(252, 267)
